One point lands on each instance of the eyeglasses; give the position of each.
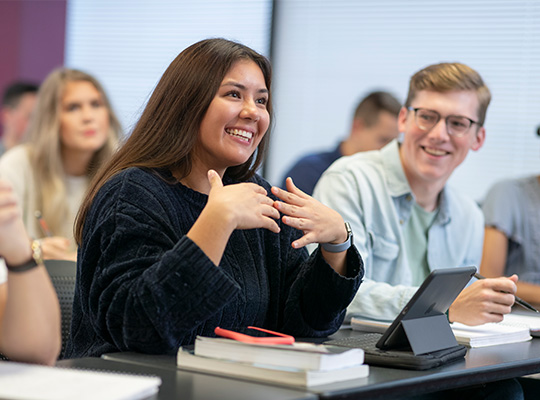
(455, 125)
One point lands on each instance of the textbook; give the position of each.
(304, 378)
(36, 382)
(299, 355)
(473, 336)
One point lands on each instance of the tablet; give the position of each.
(423, 322)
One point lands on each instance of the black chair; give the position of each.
(62, 275)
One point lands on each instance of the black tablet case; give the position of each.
(420, 337)
(399, 358)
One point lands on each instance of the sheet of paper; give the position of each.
(34, 382)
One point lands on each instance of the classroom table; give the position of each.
(481, 365)
(177, 384)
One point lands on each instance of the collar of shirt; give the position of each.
(400, 190)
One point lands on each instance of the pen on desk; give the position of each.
(43, 224)
(519, 301)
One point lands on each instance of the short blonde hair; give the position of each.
(447, 77)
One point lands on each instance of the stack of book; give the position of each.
(299, 364)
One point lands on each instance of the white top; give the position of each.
(3, 271)
(15, 167)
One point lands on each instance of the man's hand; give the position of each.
(486, 300)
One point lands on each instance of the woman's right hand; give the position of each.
(239, 206)
(57, 248)
(244, 205)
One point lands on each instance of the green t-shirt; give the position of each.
(416, 236)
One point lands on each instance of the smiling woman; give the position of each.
(179, 235)
(72, 132)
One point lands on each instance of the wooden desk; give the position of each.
(481, 365)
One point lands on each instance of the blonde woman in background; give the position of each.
(72, 132)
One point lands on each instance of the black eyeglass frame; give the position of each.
(415, 109)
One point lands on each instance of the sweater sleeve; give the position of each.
(319, 296)
(142, 287)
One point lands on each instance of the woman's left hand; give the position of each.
(320, 224)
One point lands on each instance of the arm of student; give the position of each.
(57, 248)
(15, 169)
(240, 206)
(30, 326)
(494, 253)
(529, 292)
(344, 193)
(302, 279)
(486, 300)
(319, 223)
(494, 262)
(145, 285)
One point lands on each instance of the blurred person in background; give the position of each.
(18, 102)
(512, 234)
(374, 125)
(73, 130)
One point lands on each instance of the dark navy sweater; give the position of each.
(143, 285)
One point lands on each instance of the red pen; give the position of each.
(43, 224)
(276, 338)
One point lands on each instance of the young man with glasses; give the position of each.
(406, 221)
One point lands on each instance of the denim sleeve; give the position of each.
(342, 191)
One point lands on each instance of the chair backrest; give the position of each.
(62, 275)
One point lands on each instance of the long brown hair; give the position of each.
(167, 131)
(44, 147)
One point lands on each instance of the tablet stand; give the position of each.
(428, 334)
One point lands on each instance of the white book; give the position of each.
(299, 355)
(472, 336)
(532, 321)
(489, 334)
(35, 382)
(268, 374)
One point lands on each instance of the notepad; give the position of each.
(531, 321)
(34, 382)
(489, 334)
(472, 336)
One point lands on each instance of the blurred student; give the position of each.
(29, 310)
(18, 102)
(374, 125)
(179, 235)
(72, 132)
(512, 234)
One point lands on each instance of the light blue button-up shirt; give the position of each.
(371, 192)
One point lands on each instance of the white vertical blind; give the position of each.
(128, 44)
(328, 54)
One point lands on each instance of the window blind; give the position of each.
(128, 44)
(328, 55)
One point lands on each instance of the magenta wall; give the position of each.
(32, 37)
